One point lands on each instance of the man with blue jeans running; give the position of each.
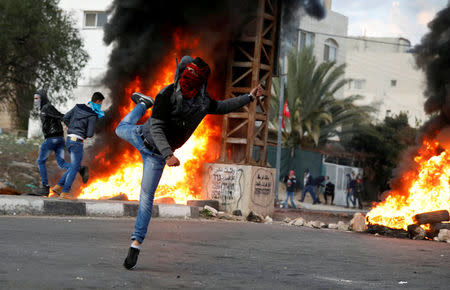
(81, 122)
(51, 120)
(310, 184)
(53, 132)
(178, 110)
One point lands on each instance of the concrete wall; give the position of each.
(244, 187)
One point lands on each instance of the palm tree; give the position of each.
(316, 115)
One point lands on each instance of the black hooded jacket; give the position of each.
(50, 117)
(81, 121)
(175, 118)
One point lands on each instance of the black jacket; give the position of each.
(81, 121)
(50, 117)
(291, 184)
(329, 188)
(175, 118)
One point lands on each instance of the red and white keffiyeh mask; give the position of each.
(192, 79)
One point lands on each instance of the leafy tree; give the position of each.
(316, 115)
(383, 150)
(39, 47)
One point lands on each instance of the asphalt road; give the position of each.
(58, 253)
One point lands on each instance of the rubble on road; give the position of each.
(298, 222)
(358, 222)
(416, 232)
(268, 220)
(443, 236)
(333, 226)
(342, 226)
(237, 212)
(255, 217)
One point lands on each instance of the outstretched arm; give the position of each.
(230, 105)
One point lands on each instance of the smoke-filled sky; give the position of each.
(389, 18)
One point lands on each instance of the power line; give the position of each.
(355, 38)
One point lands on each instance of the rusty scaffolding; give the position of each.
(251, 63)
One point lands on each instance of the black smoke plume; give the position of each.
(141, 33)
(433, 57)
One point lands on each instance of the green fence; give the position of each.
(299, 162)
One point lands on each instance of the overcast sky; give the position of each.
(389, 18)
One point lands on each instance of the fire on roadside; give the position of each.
(428, 189)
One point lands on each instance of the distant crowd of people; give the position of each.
(323, 185)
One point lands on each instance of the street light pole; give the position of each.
(280, 120)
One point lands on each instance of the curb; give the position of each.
(31, 205)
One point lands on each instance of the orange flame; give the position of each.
(181, 183)
(429, 190)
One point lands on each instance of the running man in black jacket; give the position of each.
(178, 110)
(51, 120)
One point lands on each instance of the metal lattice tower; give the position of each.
(251, 63)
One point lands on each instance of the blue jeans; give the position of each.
(350, 197)
(310, 189)
(75, 150)
(153, 169)
(55, 144)
(289, 195)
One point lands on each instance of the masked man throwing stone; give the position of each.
(178, 110)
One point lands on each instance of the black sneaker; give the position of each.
(131, 260)
(84, 172)
(141, 98)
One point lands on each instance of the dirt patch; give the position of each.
(18, 161)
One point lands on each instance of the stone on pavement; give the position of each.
(333, 226)
(268, 220)
(255, 217)
(444, 235)
(358, 222)
(237, 212)
(298, 222)
(342, 226)
(316, 224)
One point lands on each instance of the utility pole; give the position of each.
(280, 120)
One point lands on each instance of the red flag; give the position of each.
(286, 113)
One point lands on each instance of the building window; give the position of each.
(330, 50)
(305, 39)
(359, 84)
(95, 19)
(393, 83)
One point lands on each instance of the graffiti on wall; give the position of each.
(225, 184)
(262, 187)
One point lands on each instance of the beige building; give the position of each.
(383, 70)
(324, 35)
